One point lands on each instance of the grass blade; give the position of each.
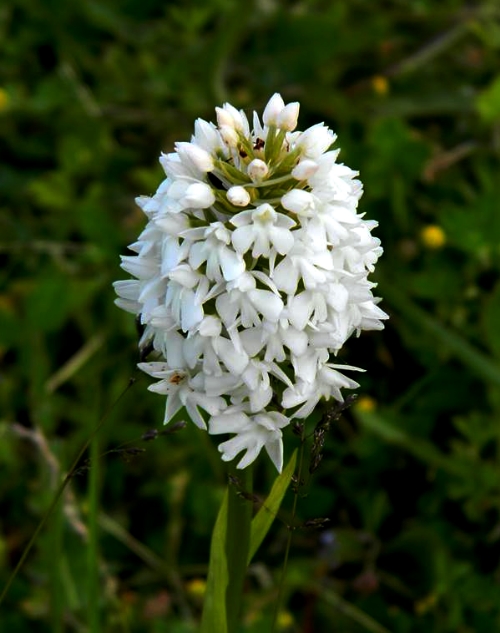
(476, 360)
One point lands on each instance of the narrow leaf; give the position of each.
(424, 450)
(214, 616)
(267, 513)
(348, 609)
(481, 364)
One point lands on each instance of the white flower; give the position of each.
(328, 383)
(302, 264)
(333, 181)
(244, 304)
(221, 261)
(252, 434)
(315, 141)
(251, 273)
(265, 229)
(175, 384)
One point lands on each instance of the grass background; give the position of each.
(90, 93)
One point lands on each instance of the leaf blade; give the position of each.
(267, 513)
(214, 617)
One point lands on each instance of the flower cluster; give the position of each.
(250, 274)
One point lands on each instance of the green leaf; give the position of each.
(479, 363)
(488, 102)
(333, 599)
(53, 298)
(267, 513)
(214, 616)
(490, 321)
(384, 428)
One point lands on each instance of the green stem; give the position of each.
(56, 583)
(92, 554)
(271, 181)
(279, 599)
(239, 518)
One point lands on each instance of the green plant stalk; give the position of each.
(93, 551)
(239, 519)
(56, 583)
(284, 569)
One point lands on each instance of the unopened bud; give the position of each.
(196, 155)
(229, 135)
(257, 169)
(199, 195)
(238, 196)
(229, 116)
(305, 169)
(299, 201)
(272, 110)
(280, 115)
(288, 117)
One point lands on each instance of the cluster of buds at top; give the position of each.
(250, 275)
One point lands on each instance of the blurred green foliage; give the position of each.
(90, 93)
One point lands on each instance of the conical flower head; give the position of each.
(252, 271)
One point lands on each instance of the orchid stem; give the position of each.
(284, 569)
(239, 518)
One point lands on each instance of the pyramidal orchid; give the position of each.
(250, 275)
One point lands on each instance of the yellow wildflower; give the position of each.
(366, 404)
(380, 85)
(433, 236)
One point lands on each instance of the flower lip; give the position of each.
(264, 213)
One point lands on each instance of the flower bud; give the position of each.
(229, 116)
(200, 158)
(272, 110)
(278, 114)
(299, 201)
(229, 136)
(206, 135)
(238, 196)
(288, 117)
(305, 169)
(199, 195)
(257, 170)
